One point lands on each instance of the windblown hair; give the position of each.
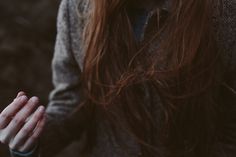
(121, 77)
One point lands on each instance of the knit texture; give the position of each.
(67, 63)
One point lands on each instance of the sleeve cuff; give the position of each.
(32, 153)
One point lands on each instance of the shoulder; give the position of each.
(71, 21)
(73, 10)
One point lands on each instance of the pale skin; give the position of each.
(21, 123)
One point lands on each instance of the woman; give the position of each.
(134, 78)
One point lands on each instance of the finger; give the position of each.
(7, 114)
(21, 93)
(20, 118)
(28, 128)
(34, 137)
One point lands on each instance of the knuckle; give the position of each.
(34, 137)
(26, 131)
(18, 121)
(37, 117)
(5, 116)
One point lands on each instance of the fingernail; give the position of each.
(34, 99)
(20, 93)
(22, 98)
(41, 108)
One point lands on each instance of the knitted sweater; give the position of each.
(62, 129)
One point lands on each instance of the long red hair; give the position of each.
(184, 73)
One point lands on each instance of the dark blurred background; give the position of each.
(27, 36)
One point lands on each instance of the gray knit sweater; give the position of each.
(60, 130)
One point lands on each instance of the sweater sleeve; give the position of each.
(226, 145)
(60, 130)
(32, 153)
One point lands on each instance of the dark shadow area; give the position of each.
(27, 36)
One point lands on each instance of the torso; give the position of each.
(226, 26)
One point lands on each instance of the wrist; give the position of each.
(29, 153)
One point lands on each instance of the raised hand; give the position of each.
(21, 123)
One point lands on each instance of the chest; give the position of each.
(145, 23)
